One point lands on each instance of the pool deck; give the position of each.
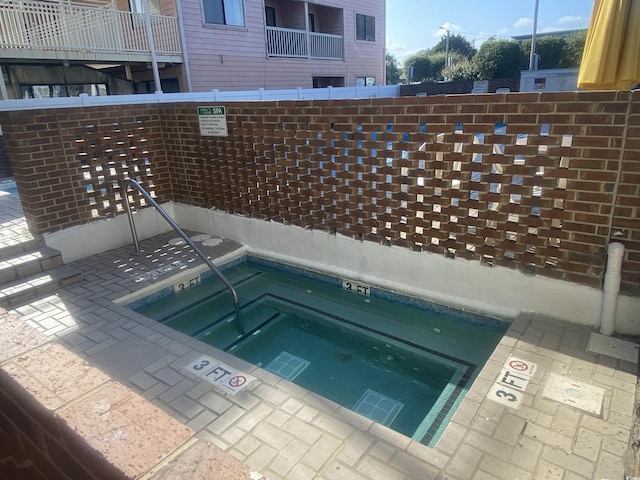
(281, 431)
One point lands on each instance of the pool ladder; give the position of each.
(185, 237)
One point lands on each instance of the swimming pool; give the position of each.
(399, 361)
(8, 188)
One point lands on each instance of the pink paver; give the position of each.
(53, 375)
(131, 434)
(16, 337)
(203, 461)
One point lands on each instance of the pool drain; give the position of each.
(287, 365)
(378, 407)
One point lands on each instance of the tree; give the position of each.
(552, 52)
(462, 70)
(422, 66)
(457, 44)
(575, 48)
(393, 72)
(499, 59)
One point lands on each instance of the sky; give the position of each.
(414, 25)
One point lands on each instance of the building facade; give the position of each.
(51, 49)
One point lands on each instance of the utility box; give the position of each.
(552, 80)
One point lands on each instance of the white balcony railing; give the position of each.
(289, 42)
(34, 25)
(326, 46)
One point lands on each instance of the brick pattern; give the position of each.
(525, 181)
(62, 418)
(534, 182)
(5, 166)
(69, 163)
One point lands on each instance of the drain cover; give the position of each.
(212, 242)
(201, 237)
(287, 365)
(574, 393)
(613, 347)
(378, 407)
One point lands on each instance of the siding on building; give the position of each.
(235, 58)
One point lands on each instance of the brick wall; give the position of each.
(535, 182)
(5, 166)
(68, 163)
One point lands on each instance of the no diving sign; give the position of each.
(220, 374)
(512, 382)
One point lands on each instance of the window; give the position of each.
(365, 28)
(365, 81)
(224, 12)
(270, 16)
(60, 90)
(168, 85)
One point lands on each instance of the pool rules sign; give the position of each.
(213, 121)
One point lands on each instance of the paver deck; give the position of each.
(286, 432)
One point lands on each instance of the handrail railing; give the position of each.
(185, 237)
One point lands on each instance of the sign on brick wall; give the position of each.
(213, 121)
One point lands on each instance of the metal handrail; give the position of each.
(174, 225)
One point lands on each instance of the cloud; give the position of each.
(572, 20)
(452, 27)
(523, 22)
(503, 31)
(398, 50)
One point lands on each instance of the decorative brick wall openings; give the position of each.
(68, 163)
(536, 182)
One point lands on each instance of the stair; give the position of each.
(30, 270)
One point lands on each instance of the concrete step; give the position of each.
(36, 286)
(27, 264)
(19, 248)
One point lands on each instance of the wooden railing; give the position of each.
(33, 25)
(289, 42)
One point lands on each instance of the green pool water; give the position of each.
(402, 365)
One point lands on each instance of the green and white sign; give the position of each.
(213, 121)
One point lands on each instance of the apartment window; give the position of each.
(60, 90)
(270, 16)
(224, 12)
(365, 27)
(365, 81)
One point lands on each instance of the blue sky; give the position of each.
(414, 24)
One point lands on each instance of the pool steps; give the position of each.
(31, 270)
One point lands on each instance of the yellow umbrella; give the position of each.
(611, 58)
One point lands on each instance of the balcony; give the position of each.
(298, 29)
(289, 42)
(64, 31)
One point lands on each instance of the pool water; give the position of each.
(402, 365)
(8, 188)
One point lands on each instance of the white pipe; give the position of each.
(611, 288)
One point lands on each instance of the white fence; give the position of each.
(329, 93)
